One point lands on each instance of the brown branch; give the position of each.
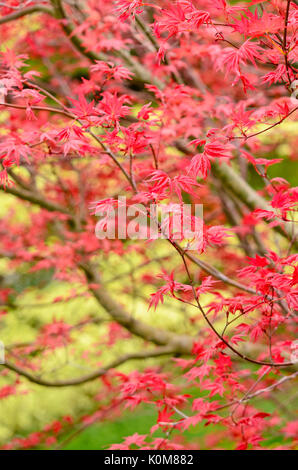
(163, 351)
(36, 199)
(272, 387)
(137, 68)
(143, 26)
(181, 344)
(68, 29)
(219, 275)
(38, 108)
(285, 49)
(24, 12)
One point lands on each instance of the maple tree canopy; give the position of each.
(166, 104)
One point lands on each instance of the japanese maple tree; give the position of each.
(161, 102)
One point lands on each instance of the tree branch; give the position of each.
(245, 137)
(24, 12)
(181, 344)
(67, 27)
(39, 108)
(219, 275)
(140, 72)
(36, 199)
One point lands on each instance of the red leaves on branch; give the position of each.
(169, 103)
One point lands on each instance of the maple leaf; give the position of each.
(292, 299)
(234, 58)
(200, 17)
(191, 421)
(111, 108)
(135, 439)
(200, 165)
(54, 335)
(128, 7)
(260, 161)
(278, 75)
(164, 416)
(262, 213)
(217, 150)
(81, 107)
(206, 285)
(111, 71)
(13, 60)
